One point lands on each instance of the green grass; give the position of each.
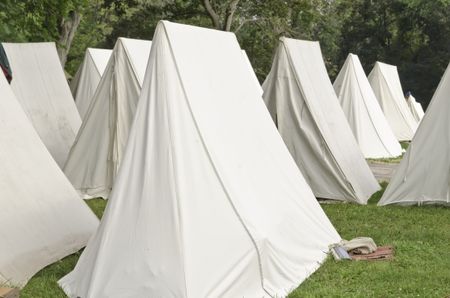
(397, 159)
(421, 266)
(98, 206)
(44, 283)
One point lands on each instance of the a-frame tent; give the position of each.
(252, 71)
(423, 176)
(360, 106)
(42, 219)
(208, 202)
(88, 76)
(303, 104)
(98, 149)
(41, 88)
(415, 108)
(386, 85)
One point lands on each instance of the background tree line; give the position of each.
(412, 34)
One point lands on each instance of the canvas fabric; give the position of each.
(303, 104)
(423, 176)
(98, 150)
(42, 219)
(415, 108)
(208, 202)
(360, 106)
(42, 90)
(250, 67)
(88, 76)
(386, 85)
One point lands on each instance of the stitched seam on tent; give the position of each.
(318, 128)
(215, 168)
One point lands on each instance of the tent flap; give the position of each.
(98, 150)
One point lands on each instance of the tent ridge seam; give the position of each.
(215, 167)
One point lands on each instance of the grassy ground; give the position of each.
(421, 268)
(44, 283)
(397, 159)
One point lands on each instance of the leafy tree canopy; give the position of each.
(412, 34)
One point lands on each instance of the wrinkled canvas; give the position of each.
(303, 104)
(98, 149)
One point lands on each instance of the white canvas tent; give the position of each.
(41, 88)
(99, 146)
(88, 76)
(386, 85)
(208, 202)
(42, 219)
(423, 176)
(360, 106)
(252, 71)
(301, 99)
(415, 108)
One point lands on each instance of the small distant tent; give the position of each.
(88, 76)
(42, 219)
(423, 176)
(366, 119)
(98, 150)
(301, 99)
(386, 85)
(415, 108)
(41, 88)
(208, 202)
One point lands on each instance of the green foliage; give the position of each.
(412, 34)
(96, 24)
(30, 20)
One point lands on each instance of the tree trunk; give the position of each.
(212, 14)
(224, 19)
(67, 30)
(230, 13)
